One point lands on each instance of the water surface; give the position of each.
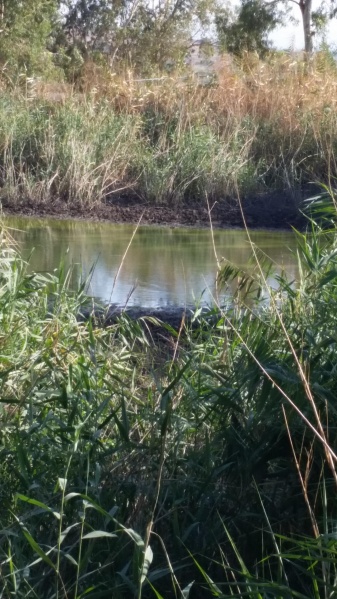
(162, 267)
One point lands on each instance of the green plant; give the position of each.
(135, 474)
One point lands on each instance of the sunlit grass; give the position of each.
(202, 470)
(261, 126)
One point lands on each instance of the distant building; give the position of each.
(204, 59)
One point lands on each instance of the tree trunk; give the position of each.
(306, 9)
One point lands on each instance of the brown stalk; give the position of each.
(318, 431)
(331, 457)
(304, 481)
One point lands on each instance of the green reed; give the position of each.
(174, 144)
(178, 464)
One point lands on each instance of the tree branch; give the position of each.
(278, 1)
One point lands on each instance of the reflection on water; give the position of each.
(162, 267)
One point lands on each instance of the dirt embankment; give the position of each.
(275, 210)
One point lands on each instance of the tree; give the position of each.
(25, 31)
(306, 12)
(247, 28)
(143, 33)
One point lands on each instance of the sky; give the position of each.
(291, 36)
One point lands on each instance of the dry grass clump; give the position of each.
(282, 85)
(283, 108)
(259, 126)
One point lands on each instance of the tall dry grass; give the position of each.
(258, 127)
(281, 85)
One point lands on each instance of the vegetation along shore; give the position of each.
(108, 110)
(195, 457)
(194, 463)
(113, 147)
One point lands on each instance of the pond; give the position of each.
(162, 267)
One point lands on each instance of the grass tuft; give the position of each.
(209, 471)
(262, 126)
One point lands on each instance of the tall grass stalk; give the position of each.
(319, 431)
(262, 126)
(192, 468)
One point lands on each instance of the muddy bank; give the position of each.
(162, 325)
(173, 316)
(274, 210)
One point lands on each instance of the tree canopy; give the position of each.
(25, 32)
(41, 37)
(247, 28)
(133, 30)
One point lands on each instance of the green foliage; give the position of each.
(144, 37)
(26, 32)
(247, 30)
(75, 153)
(53, 38)
(186, 165)
(81, 151)
(127, 473)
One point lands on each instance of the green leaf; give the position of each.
(186, 591)
(216, 592)
(38, 504)
(70, 559)
(96, 534)
(134, 536)
(71, 496)
(64, 532)
(157, 594)
(36, 547)
(62, 482)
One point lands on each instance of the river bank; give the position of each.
(275, 210)
(159, 149)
